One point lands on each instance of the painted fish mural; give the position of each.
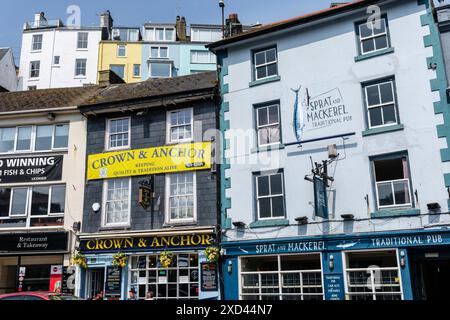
(301, 105)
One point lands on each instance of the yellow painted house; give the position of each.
(122, 54)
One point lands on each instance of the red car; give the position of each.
(37, 295)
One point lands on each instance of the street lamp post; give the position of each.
(222, 6)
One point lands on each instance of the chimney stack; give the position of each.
(40, 20)
(106, 23)
(108, 77)
(232, 25)
(181, 28)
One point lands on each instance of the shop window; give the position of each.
(181, 201)
(179, 281)
(180, 125)
(282, 277)
(38, 206)
(392, 182)
(268, 125)
(118, 133)
(372, 276)
(270, 195)
(116, 201)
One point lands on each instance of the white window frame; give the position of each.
(134, 69)
(373, 36)
(258, 127)
(168, 218)
(169, 127)
(33, 138)
(346, 269)
(159, 52)
(160, 62)
(256, 66)
(194, 53)
(195, 33)
(104, 201)
(381, 105)
(409, 204)
(33, 42)
(29, 199)
(38, 70)
(283, 194)
(83, 41)
(152, 30)
(119, 46)
(280, 273)
(107, 134)
(85, 68)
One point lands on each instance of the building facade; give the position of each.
(151, 190)
(8, 74)
(335, 177)
(54, 55)
(42, 161)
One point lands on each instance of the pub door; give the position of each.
(430, 275)
(96, 281)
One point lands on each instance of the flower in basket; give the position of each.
(79, 260)
(119, 260)
(212, 253)
(166, 259)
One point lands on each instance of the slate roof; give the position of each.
(95, 95)
(284, 24)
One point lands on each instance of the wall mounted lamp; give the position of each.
(230, 267)
(402, 258)
(331, 262)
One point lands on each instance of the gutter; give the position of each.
(38, 111)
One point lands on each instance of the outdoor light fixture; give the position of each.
(433, 206)
(76, 226)
(402, 258)
(239, 224)
(302, 220)
(347, 216)
(308, 179)
(51, 116)
(230, 266)
(96, 207)
(331, 261)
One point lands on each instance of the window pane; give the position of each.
(373, 96)
(375, 117)
(160, 69)
(163, 52)
(160, 34)
(271, 55)
(261, 72)
(154, 52)
(379, 26)
(276, 185)
(169, 34)
(263, 186)
(385, 195)
(273, 114)
(57, 204)
(389, 114)
(119, 70)
(264, 208)
(7, 136)
(390, 169)
(368, 45)
(268, 135)
(23, 138)
(19, 201)
(260, 58)
(277, 207)
(381, 42)
(272, 69)
(137, 70)
(44, 137)
(262, 116)
(61, 136)
(5, 198)
(365, 30)
(386, 92)
(39, 201)
(401, 191)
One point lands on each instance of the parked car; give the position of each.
(37, 295)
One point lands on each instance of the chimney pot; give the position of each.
(181, 28)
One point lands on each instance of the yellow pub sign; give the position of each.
(163, 159)
(142, 243)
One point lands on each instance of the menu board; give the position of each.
(209, 277)
(334, 287)
(113, 281)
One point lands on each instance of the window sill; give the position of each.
(35, 51)
(269, 223)
(392, 213)
(395, 127)
(80, 77)
(179, 224)
(374, 54)
(264, 81)
(268, 148)
(82, 49)
(33, 79)
(114, 228)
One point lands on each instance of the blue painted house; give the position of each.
(335, 176)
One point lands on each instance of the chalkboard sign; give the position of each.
(68, 282)
(209, 277)
(113, 281)
(334, 286)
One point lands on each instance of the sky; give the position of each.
(136, 12)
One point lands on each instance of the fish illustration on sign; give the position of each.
(301, 104)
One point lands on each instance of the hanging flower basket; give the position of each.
(119, 260)
(212, 253)
(79, 260)
(166, 258)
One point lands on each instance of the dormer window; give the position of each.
(160, 34)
